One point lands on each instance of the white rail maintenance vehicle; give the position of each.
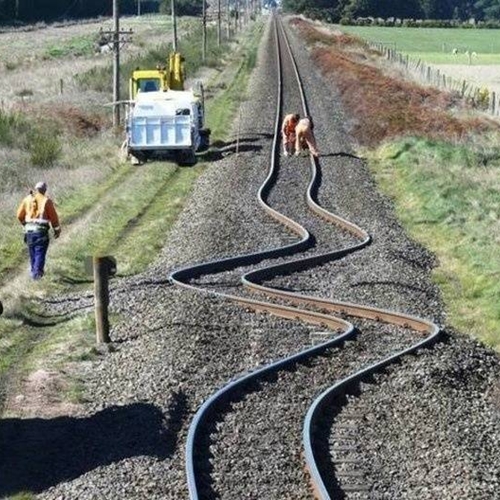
(163, 119)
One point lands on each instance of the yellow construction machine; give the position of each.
(159, 79)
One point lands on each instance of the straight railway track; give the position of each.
(330, 370)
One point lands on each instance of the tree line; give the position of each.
(53, 10)
(336, 10)
(333, 10)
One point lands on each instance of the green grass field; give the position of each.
(446, 195)
(435, 45)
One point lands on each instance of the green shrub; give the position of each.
(44, 147)
(12, 127)
(11, 65)
(77, 47)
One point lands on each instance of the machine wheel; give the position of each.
(205, 139)
(186, 157)
(138, 157)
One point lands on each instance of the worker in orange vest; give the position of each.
(304, 136)
(288, 132)
(37, 214)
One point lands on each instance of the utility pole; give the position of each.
(115, 38)
(204, 48)
(236, 16)
(174, 25)
(116, 63)
(228, 20)
(219, 26)
(138, 7)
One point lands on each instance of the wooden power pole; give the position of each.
(115, 39)
(116, 63)
(219, 25)
(204, 48)
(174, 25)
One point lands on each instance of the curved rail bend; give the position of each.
(253, 280)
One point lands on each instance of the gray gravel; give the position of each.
(433, 427)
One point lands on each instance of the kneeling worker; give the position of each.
(304, 133)
(288, 132)
(37, 213)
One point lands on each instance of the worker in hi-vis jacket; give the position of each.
(288, 132)
(37, 214)
(304, 136)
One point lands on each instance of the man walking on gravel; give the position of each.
(37, 213)
(304, 134)
(288, 132)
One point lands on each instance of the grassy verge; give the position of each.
(446, 195)
(130, 222)
(223, 108)
(27, 345)
(72, 203)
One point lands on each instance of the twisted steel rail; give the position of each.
(254, 279)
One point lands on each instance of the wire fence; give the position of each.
(481, 98)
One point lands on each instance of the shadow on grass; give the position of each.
(39, 453)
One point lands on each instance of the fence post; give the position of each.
(103, 267)
(493, 104)
(239, 132)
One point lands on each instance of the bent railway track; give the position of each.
(332, 368)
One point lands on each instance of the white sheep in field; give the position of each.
(470, 55)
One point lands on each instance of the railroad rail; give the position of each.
(291, 305)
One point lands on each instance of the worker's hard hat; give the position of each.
(41, 186)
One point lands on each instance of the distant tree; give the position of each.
(382, 8)
(183, 7)
(301, 6)
(437, 9)
(488, 9)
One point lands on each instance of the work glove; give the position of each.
(57, 232)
